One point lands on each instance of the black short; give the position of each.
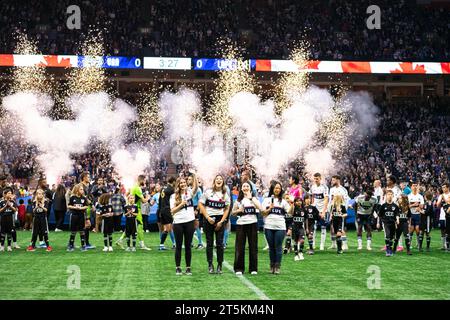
(298, 234)
(425, 223)
(166, 218)
(107, 225)
(338, 224)
(130, 227)
(311, 227)
(363, 219)
(77, 222)
(40, 223)
(389, 230)
(289, 223)
(7, 224)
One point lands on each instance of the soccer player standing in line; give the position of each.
(299, 221)
(182, 210)
(214, 206)
(165, 211)
(275, 208)
(389, 214)
(338, 189)
(365, 207)
(403, 224)
(416, 203)
(8, 209)
(131, 212)
(105, 213)
(338, 214)
(397, 192)
(246, 208)
(320, 196)
(40, 224)
(443, 197)
(295, 191)
(426, 221)
(78, 204)
(312, 218)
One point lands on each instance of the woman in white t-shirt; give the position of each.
(182, 210)
(275, 208)
(246, 208)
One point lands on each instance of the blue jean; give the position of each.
(275, 240)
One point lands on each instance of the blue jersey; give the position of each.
(197, 197)
(155, 200)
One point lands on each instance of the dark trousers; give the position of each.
(243, 232)
(210, 231)
(275, 240)
(40, 227)
(117, 220)
(145, 220)
(183, 231)
(59, 218)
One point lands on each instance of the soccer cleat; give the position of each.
(42, 245)
(301, 256)
(359, 246)
(322, 247)
(145, 248)
(254, 273)
(128, 249)
(276, 270)
(70, 249)
(2, 249)
(89, 247)
(266, 248)
(110, 249)
(162, 248)
(83, 249)
(211, 269)
(399, 249)
(49, 249)
(31, 248)
(238, 273)
(297, 258)
(178, 271)
(16, 246)
(133, 249)
(310, 252)
(369, 248)
(188, 271)
(9, 249)
(219, 269)
(344, 246)
(105, 249)
(199, 247)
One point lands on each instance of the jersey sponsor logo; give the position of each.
(215, 204)
(319, 196)
(249, 210)
(279, 211)
(299, 219)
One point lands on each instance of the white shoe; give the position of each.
(128, 249)
(145, 248)
(2, 249)
(359, 247)
(301, 257)
(16, 246)
(369, 248)
(133, 249)
(58, 230)
(9, 249)
(344, 246)
(266, 248)
(322, 247)
(254, 273)
(105, 249)
(110, 249)
(147, 231)
(296, 258)
(239, 273)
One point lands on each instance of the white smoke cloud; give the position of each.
(129, 165)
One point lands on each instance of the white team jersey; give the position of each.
(318, 193)
(338, 191)
(378, 193)
(415, 198)
(443, 197)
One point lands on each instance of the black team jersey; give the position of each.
(446, 208)
(164, 200)
(313, 213)
(299, 218)
(389, 212)
(39, 211)
(104, 209)
(97, 191)
(79, 202)
(428, 209)
(8, 210)
(132, 208)
(405, 215)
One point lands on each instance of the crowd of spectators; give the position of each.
(335, 29)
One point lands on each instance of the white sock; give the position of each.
(323, 236)
(359, 242)
(369, 243)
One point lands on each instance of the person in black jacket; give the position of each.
(59, 206)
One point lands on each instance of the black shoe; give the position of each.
(178, 272)
(211, 269)
(188, 271)
(219, 269)
(285, 250)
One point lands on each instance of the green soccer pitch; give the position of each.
(151, 274)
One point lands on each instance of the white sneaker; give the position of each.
(105, 249)
(16, 246)
(322, 247)
(2, 249)
(110, 249)
(133, 249)
(254, 273)
(145, 248)
(239, 273)
(266, 248)
(9, 249)
(344, 246)
(369, 248)
(128, 249)
(296, 258)
(58, 230)
(301, 257)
